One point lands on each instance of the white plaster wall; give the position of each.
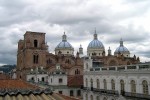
(55, 79)
(127, 77)
(87, 62)
(64, 51)
(14, 76)
(97, 51)
(37, 77)
(67, 91)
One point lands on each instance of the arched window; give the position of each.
(122, 86)
(112, 84)
(91, 97)
(145, 87)
(91, 82)
(77, 71)
(97, 98)
(86, 96)
(98, 84)
(35, 59)
(133, 86)
(86, 82)
(35, 43)
(105, 84)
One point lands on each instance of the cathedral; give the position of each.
(33, 52)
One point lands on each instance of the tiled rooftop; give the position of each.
(75, 81)
(15, 84)
(21, 90)
(67, 97)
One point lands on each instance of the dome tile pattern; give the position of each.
(95, 44)
(121, 49)
(64, 44)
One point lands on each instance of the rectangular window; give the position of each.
(35, 59)
(71, 92)
(78, 93)
(60, 80)
(60, 92)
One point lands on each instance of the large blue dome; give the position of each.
(95, 44)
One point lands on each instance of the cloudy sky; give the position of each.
(113, 19)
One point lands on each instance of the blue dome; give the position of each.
(95, 44)
(121, 49)
(64, 44)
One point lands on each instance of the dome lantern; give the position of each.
(64, 37)
(121, 42)
(95, 35)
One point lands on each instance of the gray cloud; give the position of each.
(78, 19)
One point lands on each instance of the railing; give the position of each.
(137, 95)
(101, 91)
(123, 68)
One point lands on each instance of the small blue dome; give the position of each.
(121, 48)
(64, 44)
(95, 44)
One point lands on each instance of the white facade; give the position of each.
(128, 80)
(37, 77)
(97, 52)
(57, 79)
(65, 51)
(58, 82)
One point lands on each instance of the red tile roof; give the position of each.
(75, 81)
(15, 84)
(67, 97)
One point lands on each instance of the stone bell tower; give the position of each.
(32, 51)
